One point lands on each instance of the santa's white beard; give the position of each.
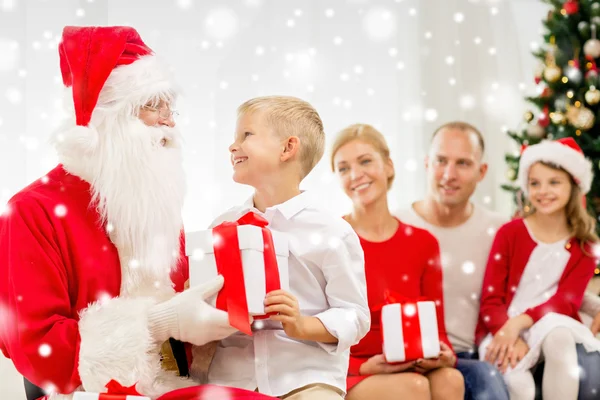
(138, 184)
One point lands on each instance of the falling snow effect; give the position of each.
(316, 238)
(468, 267)
(45, 350)
(60, 210)
(409, 310)
(221, 23)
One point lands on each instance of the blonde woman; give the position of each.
(398, 258)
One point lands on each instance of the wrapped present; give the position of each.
(214, 392)
(410, 331)
(115, 392)
(106, 396)
(252, 258)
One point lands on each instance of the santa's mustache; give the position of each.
(164, 136)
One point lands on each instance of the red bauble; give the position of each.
(544, 119)
(571, 7)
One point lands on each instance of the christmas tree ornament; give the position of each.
(573, 72)
(552, 73)
(592, 47)
(511, 174)
(543, 118)
(528, 117)
(595, 9)
(592, 96)
(584, 29)
(558, 118)
(571, 7)
(546, 92)
(580, 117)
(535, 131)
(591, 76)
(560, 103)
(538, 72)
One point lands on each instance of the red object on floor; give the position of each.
(213, 392)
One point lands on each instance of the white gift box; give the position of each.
(397, 325)
(203, 267)
(105, 396)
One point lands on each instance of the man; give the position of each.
(465, 233)
(91, 254)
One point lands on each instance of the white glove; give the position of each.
(189, 318)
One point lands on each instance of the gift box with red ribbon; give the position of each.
(410, 331)
(106, 396)
(115, 391)
(252, 258)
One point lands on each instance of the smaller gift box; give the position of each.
(252, 258)
(410, 331)
(106, 396)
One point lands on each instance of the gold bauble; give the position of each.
(535, 131)
(528, 116)
(557, 118)
(581, 117)
(511, 174)
(552, 73)
(592, 48)
(592, 96)
(539, 69)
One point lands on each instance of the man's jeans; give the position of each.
(483, 381)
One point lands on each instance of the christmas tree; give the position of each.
(567, 100)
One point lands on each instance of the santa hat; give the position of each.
(564, 153)
(109, 67)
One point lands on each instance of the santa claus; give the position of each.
(91, 254)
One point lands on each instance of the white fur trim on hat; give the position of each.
(559, 154)
(134, 84)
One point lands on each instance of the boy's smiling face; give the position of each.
(256, 150)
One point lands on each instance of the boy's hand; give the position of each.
(287, 311)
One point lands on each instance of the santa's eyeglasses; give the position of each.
(164, 113)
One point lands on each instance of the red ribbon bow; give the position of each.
(392, 297)
(411, 325)
(232, 298)
(115, 387)
(116, 391)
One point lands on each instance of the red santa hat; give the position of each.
(564, 153)
(109, 67)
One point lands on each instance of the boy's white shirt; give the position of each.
(326, 270)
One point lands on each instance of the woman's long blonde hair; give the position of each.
(580, 222)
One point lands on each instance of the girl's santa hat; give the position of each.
(564, 153)
(109, 69)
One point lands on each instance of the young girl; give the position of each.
(537, 272)
(399, 258)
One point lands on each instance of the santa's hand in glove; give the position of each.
(189, 318)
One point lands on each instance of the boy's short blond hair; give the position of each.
(290, 116)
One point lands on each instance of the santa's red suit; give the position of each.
(91, 254)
